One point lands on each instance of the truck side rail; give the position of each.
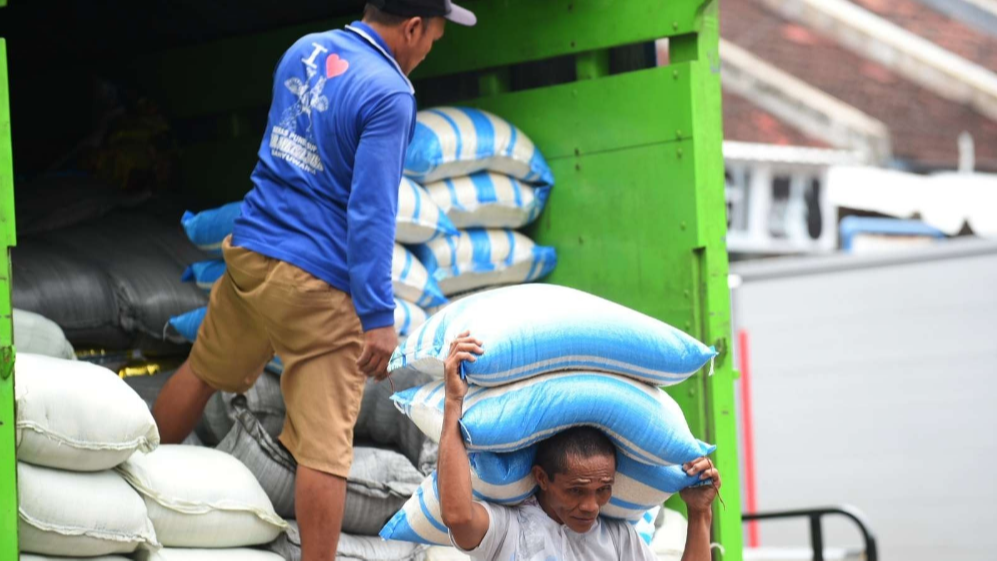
(816, 516)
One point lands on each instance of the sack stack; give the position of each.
(93, 480)
(554, 358)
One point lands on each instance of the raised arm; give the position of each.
(467, 520)
(700, 503)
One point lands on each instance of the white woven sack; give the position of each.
(176, 554)
(36, 334)
(78, 416)
(200, 497)
(79, 514)
(419, 219)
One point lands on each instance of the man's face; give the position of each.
(574, 497)
(419, 35)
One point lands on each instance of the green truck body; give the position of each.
(637, 214)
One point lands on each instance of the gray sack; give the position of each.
(379, 483)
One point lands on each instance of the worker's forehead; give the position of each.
(597, 467)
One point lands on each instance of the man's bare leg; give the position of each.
(319, 500)
(180, 405)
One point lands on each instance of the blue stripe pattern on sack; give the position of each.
(425, 159)
(455, 130)
(424, 152)
(485, 187)
(418, 199)
(483, 130)
(534, 329)
(481, 254)
(454, 201)
(545, 406)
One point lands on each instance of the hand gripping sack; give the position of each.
(643, 421)
(208, 229)
(412, 282)
(79, 514)
(419, 218)
(479, 258)
(488, 200)
(456, 141)
(78, 416)
(204, 273)
(199, 497)
(350, 548)
(531, 330)
(421, 520)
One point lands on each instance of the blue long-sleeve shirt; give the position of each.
(325, 189)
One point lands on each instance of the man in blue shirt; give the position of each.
(308, 266)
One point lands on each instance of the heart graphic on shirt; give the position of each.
(335, 66)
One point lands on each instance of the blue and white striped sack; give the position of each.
(204, 273)
(488, 200)
(412, 282)
(508, 479)
(455, 141)
(208, 229)
(479, 258)
(643, 421)
(534, 329)
(645, 526)
(420, 219)
(421, 521)
(408, 317)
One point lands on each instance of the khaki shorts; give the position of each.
(263, 306)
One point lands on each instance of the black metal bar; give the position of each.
(815, 516)
(816, 537)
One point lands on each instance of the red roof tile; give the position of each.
(924, 127)
(746, 122)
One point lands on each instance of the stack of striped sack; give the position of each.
(554, 358)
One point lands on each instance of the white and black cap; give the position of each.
(427, 8)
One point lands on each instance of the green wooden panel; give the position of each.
(237, 73)
(8, 461)
(714, 293)
(513, 31)
(591, 116)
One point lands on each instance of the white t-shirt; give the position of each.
(526, 533)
